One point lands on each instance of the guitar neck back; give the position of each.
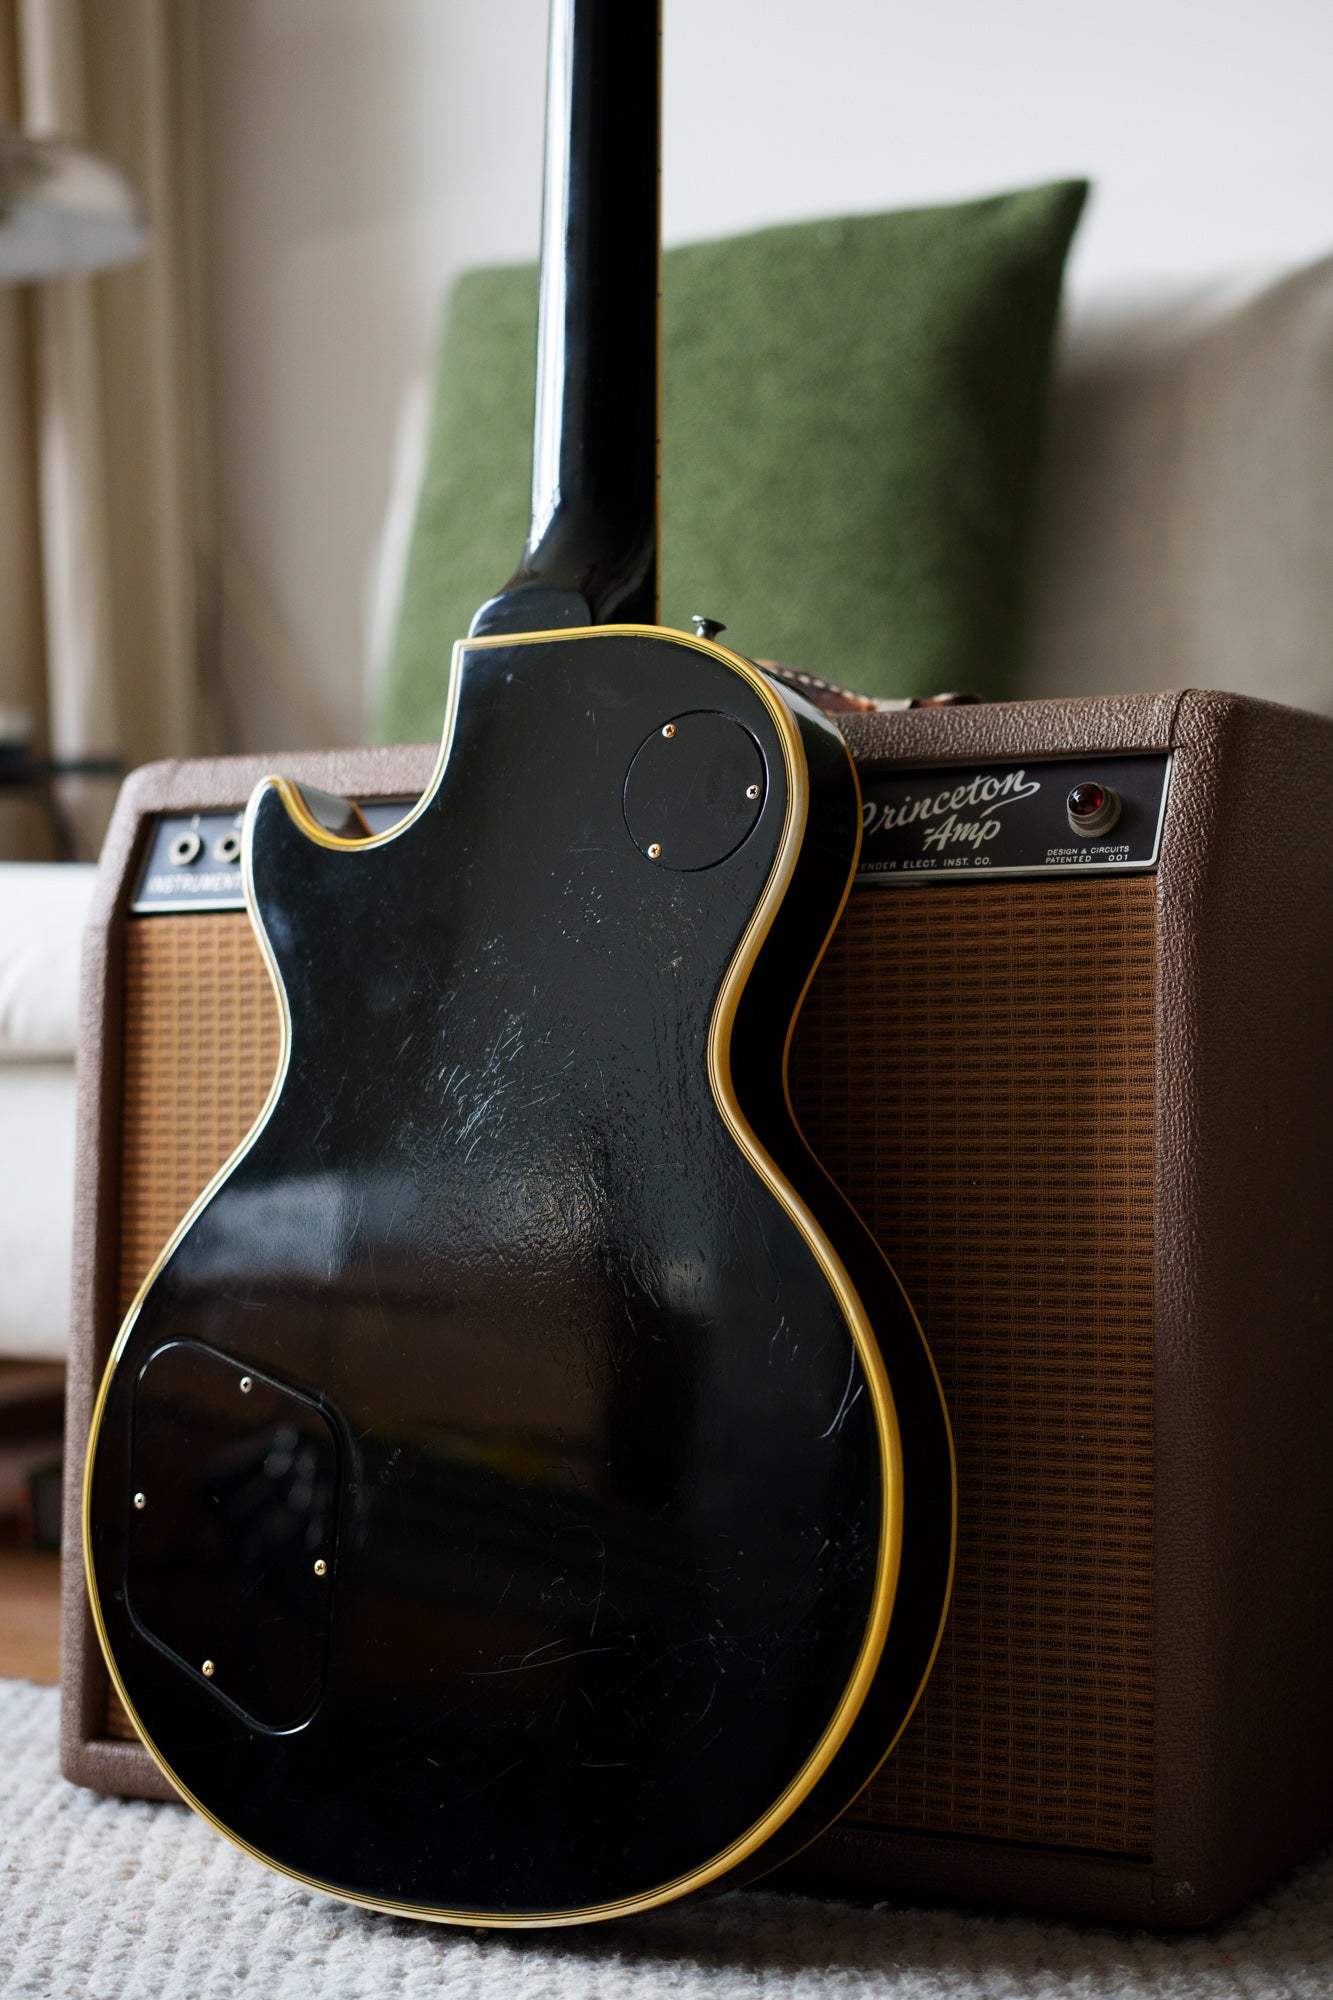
(591, 555)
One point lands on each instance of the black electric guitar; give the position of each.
(521, 1492)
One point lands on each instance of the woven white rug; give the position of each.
(102, 1899)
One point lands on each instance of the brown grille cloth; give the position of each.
(975, 1066)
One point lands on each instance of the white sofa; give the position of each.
(42, 911)
(1188, 542)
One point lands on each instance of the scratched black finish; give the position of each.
(610, 1484)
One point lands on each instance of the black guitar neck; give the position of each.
(591, 552)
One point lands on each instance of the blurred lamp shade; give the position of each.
(63, 209)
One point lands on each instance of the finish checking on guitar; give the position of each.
(522, 1494)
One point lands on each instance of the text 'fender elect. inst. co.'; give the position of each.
(521, 1492)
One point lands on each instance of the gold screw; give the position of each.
(668, 729)
(209, 1670)
(141, 1501)
(321, 1567)
(654, 850)
(246, 1385)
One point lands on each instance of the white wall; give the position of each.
(360, 152)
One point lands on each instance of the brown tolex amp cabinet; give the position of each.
(1077, 1074)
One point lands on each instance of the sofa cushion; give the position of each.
(36, 1208)
(852, 423)
(43, 907)
(1187, 538)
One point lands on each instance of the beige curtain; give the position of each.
(106, 536)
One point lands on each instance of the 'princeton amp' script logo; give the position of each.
(983, 796)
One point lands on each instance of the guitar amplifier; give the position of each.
(1069, 1053)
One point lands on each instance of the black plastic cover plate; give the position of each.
(694, 790)
(233, 1491)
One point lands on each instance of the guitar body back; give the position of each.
(499, 1507)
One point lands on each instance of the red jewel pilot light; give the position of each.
(1093, 809)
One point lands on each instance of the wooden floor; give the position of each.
(31, 1395)
(29, 1612)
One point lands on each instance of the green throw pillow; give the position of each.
(852, 427)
